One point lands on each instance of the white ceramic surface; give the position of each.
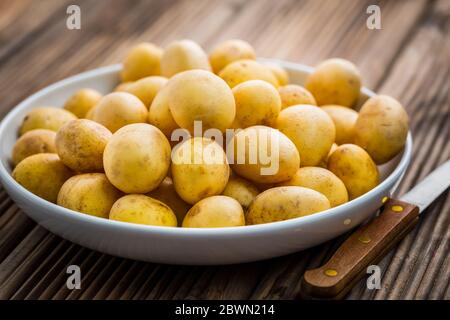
(184, 245)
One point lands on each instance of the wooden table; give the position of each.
(408, 59)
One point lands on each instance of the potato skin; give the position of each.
(33, 142)
(181, 56)
(159, 114)
(141, 209)
(244, 143)
(42, 174)
(46, 118)
(141, 61)
(80, 145)
(137, 158)
(353, 165)
(146, 88)
(310, 129)
(82, 101)
(240, 189)
(257, 102)
(335, 81)
(230, 51)
(283, 203)
(293, 94)
(321, 180)
(89, 193)
(199, 169)
(215, 212)
(244, 70)
(344, 121)
(381, 128)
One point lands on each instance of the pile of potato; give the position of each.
(111, 155)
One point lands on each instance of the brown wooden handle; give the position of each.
(364, 247)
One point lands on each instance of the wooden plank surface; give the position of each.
(408, 59)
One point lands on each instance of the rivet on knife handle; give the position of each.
(359, 250)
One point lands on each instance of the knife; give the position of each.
(370, 242)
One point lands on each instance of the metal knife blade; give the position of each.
(423, 194)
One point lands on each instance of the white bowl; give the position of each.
(184, 245)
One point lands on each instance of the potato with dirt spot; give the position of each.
(181, 56)
(344, 121)
(199, 169)
(242, 190)
(159, 114)
(82, 101)
(42, 174)
(230, 51)
(33, 142)
(143, 60)
(381, 128)
(353, 165)
(215, 212)
(49, 118)
(279, 72)
(245, 70)
(283, 203)
(141, 209)
(335, 81)
(293, 94)
(146, 88)
(137, 158)
(89, 193)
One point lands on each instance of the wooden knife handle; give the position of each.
(367, 244)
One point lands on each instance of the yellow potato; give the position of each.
(283, 203)
(311, 130)
(42, 174)
(355, 168)
(293, 94)
(215, 212)
(46, 118)
(119, 109)
(199, 169)
(159, 114)
(242, 190)
(142, 61)
(137, 158)
(166, 193)
(244, 70)
(82, 101)
(123, 86)
(279, 73)
(321, 180)
(257, 102)
(344, 121)
(89, 193)
(381, 128)
(80, 144)
(140, 209)
(181, 56)
(201, 95)
(146, 88)
(230, 51)
(33, 142)
(264, 155)
(335, 81)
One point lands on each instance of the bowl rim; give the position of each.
(81, 218)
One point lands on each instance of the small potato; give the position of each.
(264, 155)
(123, 86)
(199, 169)
(33, 142)
(242, 190)
(335, 81)
(89, 193)
(257, 102)
(160, 115)
(80, 144)
(230, 51)
(321, 180)
(293, 94)
(344, 121)
(244, 70)
(42, 174)
(198, 95)
(381, 128)
(46, 118)
(279, 73)
(215, 212)
(137, 158)
(140, 209)
(283, 203)
(119, 109)
(181, 56)
(166, 193)
(142, 61)
(146, 88)
(311, 130)
(355, 168)
(82, 101)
